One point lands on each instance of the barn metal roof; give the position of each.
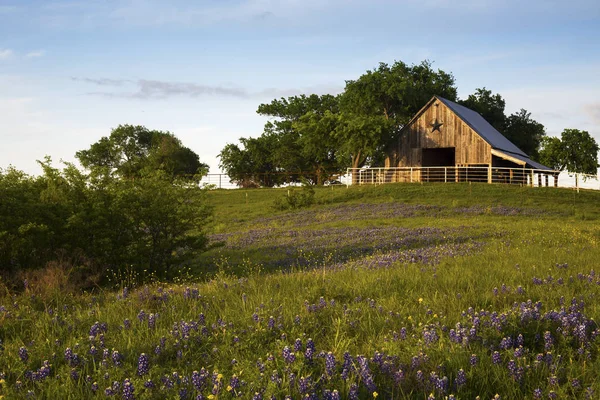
(489, 133)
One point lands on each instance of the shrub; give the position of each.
(294, 198)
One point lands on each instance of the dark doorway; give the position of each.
(438, 157)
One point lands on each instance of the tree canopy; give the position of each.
(297, 142)
(490, 106)
(526, 133)
(575, 151)
(130, 149)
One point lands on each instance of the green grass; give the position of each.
(488, 250)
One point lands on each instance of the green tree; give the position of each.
(576, 151)
(525, 133)
(551, 153)
(251, 165)
(376, 105)
(490, 106)
(131, 149)
(297, 142)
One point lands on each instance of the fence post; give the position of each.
(531, 178)
(445, 174)
(490, 173)
(411, 178)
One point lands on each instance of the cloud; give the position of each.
(593, 110)
(5, 54)
(147, 89)
(35, 54)
(102, 81)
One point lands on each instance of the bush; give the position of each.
(294, 199)
(150, 223)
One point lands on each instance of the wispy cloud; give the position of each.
(147, 89)
(593, 110)
(5, 54)
(102, 81)
(35, 54)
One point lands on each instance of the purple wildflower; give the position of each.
(23, 355)
(143, 365)
(128, 390)
(330, 363)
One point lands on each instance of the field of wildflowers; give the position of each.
(404, 292)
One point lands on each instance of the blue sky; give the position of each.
(72, 70)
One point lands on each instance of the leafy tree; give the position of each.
(131, 149)
(576, 151)
(296, 143)
(551, 153)
(252, 164)
(490, 106)
(525, 133)
(376, 105)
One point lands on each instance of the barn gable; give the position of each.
(444, 133)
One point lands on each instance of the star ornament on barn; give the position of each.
(435, 126)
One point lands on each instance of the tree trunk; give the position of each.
(356, 164)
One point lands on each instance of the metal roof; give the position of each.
(489, 133)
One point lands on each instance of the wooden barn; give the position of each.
(446, 134)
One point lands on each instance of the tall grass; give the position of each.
(482, 301)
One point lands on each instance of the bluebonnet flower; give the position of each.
(275, 378)
(298, 345)
(141, 316)
(127, 323)
(234, 382)
(519, 352)
(116, 357)
(330, 363)
(496, 358)
(143, 365)
(304, 385)
(183, 393)
(461, 378)
(548, 340)
(23, 354)
(151, 321)
(288, 356)
(353, 392)
(128, 390)
(149, 384)
(74, 374)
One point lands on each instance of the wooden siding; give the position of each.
(470, 148)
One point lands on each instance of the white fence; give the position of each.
(377, 176)
(483, 173)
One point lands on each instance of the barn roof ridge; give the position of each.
(483, 128)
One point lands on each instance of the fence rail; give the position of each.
(378, 176)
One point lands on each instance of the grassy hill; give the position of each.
(396, 291)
